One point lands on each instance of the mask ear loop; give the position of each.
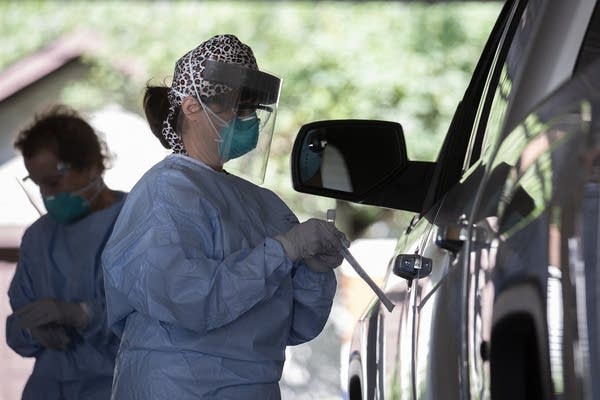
(64, 168)
(218, 138)
(98, 182)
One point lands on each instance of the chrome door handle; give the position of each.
(409, 266)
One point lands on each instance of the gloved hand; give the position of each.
(51, 336)
(324, 262)
(51, 310)
(310, 238)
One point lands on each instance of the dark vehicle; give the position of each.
(496, 282)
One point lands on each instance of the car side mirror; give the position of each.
(362, 161)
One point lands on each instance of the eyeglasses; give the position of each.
(254, 107)
(247, 110)
(223, 112)
(51, 179)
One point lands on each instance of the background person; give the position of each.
(208, 276)
(57, 292)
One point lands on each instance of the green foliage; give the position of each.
(406, 62)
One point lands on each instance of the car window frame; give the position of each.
(450, 161)
(487, 101)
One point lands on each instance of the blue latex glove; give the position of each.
(311, 238)
(51, 336)
(324, 262)
(50, 310)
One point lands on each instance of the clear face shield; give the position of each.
(244, 117)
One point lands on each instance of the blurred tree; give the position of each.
(406, 62)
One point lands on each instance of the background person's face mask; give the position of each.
(67, 207)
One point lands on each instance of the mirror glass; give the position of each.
(348, 156)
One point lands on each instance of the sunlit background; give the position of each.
(404, 62)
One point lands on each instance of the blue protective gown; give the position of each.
(63, 262)
(204, 298)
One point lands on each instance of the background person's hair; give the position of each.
(62, 131)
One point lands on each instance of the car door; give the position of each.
(527, 273)
(524, 271)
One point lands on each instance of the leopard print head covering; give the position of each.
(187, 78)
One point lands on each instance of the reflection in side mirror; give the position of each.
(322, 164)
(362, 161)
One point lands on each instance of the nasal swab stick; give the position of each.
(360, 270)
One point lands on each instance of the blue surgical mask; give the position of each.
(239, 137)
(309, 164)
(68, 207)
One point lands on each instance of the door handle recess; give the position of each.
(453, 237)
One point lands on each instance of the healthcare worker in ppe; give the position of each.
(208, 276)
(57, 293)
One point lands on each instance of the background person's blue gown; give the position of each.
(204, 299)
(63, 262)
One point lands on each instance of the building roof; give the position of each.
(48, 59)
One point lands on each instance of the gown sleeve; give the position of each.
(313, 298)
(20, 293)
(313, 292)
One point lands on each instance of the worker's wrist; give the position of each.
(288, 247)
(78, 315)
(84, 317)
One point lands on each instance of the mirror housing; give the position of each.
(361, 161)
